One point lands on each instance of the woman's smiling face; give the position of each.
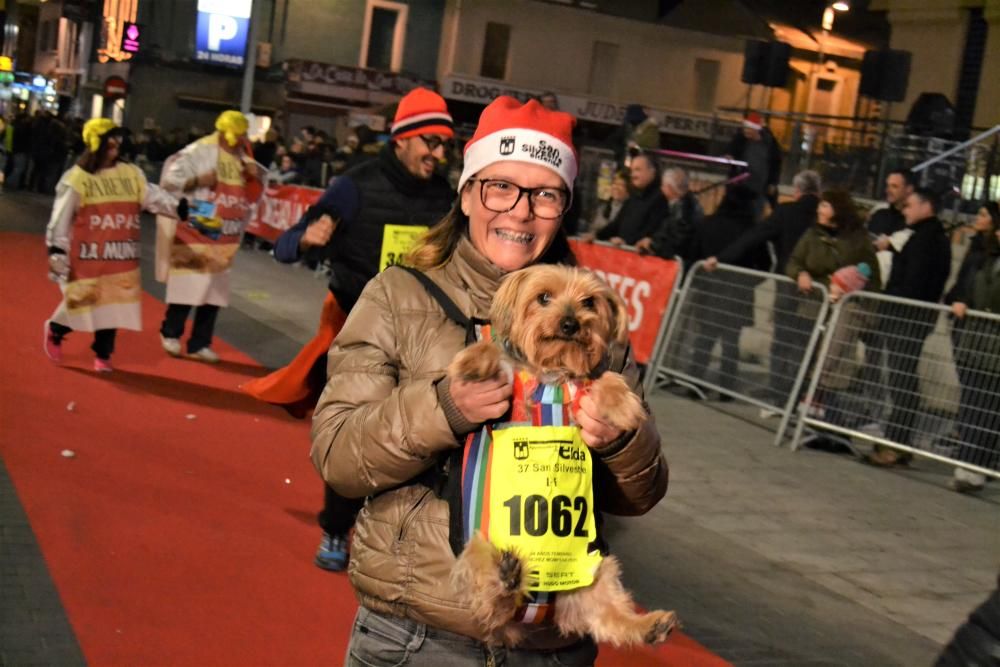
(517, 238)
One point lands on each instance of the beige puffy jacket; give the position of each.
(386, 416)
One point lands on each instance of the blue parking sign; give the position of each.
(222, 30)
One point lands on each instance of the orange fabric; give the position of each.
(290, 386)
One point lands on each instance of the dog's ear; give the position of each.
(620, 314)
(504, 308)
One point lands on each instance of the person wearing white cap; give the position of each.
(389, 418)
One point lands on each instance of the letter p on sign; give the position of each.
(221, 28)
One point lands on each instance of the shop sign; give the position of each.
(584, 108)
(334, 76)
(221, 32)
(115, 87)
(130, 39)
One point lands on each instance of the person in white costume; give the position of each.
(220, 176)
(93, 243)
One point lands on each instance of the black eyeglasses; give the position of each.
(501, 196)
(433, 141)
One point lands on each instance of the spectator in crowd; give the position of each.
(755, 145)
(388, 415)
(609, 210)
(725, 308)
(265, 151)
(977, 351)
(673, 235)
(348, 226)
(549, 100)
(919, 272)
(782, 229)
(638, 132)
(887, 220)
(642, 211)
(837, 240)
(20, 152)
(287, 172)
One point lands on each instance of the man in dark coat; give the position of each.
(919, 272)
(783, 229)
(675, 233)
(642, 212)
(357, 224)
(756, 146)
(889, 219)
(723, 307)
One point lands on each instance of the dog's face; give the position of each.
(561, 318)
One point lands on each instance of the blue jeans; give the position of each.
(379, 640)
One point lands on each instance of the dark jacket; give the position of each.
(886, 221)
(676, 231)
(821, 251)
(363, 201)
(974, 259)
(977, 641)
(783, 229)
(738, 146)
(921, 268)
(639, 217)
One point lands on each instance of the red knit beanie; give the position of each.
(753, 121)
(511, 131)
(422, 111)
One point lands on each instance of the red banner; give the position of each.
(280, 207)
(645, 283)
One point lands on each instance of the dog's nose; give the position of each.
(569, 326)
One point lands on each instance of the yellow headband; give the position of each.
(232, 125)
(94, 129)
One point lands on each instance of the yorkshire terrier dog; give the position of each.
(557, 323)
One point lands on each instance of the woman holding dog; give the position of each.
(389, 415)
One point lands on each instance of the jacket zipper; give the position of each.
(408, 519)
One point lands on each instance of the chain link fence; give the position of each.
(720, 312)
(907, 375)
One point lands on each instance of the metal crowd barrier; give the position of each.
(720, 306)
(904, 374)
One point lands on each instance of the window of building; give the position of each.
(706, 84)
(383, 36)
(496, 48)
(603, 65)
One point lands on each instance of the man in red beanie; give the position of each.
(363, 223)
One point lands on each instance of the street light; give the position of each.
(841, 6)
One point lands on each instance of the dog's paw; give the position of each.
(477, 362)
(616, 402)
(511, 571)
(662, 623)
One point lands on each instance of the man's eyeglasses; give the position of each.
(433, 141)
(502, 196)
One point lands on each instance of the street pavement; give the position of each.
(770, 557)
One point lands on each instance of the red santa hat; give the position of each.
(511, 131)
(422, 111)
(753, 121)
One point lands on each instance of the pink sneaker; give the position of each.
(102, 365)
(52, 348)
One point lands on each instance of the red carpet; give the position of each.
(174, 540)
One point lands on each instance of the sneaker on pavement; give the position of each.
(52, 347)
(332, 553)
(205, 354)
(966, 481)
(171, 346)
(102, 365)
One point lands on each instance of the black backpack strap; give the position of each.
(439, 477)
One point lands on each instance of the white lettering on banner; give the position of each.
(633, 292)
(279, 213)
(598, 111)
(116, 221)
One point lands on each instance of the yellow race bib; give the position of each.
(541, 503)
(397, 240)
